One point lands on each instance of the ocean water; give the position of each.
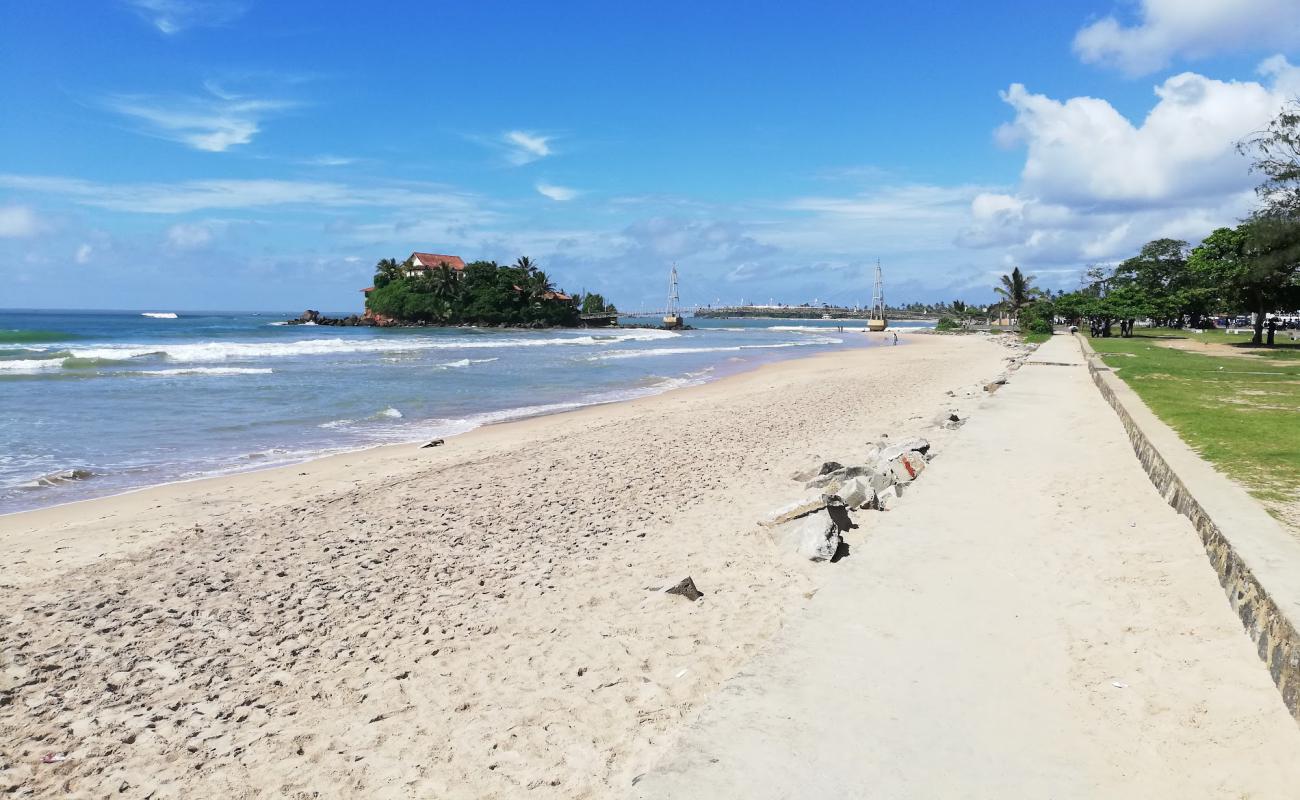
(96, 403)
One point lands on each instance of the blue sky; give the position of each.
(247, 154)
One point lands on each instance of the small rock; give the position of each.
(916, 444)
(686, 588)
(795, 510)
(434, 443)
(856, 492)
(829, 466)
(907, 467)
(817, 538)
(889, 497)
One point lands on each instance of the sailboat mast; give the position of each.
(672, 317)
(876, 319)
(672, 292)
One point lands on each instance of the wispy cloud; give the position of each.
(525, 148)
(188, 196)
(559, 193)
(328, 161)
(213, 122)
(174, 16)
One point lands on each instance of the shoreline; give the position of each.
(471, 619)
(347, 450)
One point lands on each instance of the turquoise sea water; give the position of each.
(95, 403)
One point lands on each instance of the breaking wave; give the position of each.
(208, 371)
(223, 351)
(159, 314)
(30, 364)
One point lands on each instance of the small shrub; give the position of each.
(1039, 325)
(946, 324)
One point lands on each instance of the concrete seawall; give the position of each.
(1257, 560)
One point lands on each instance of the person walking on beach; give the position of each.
(895, 336)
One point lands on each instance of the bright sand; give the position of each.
(465, 621)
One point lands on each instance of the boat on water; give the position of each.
(876, 319)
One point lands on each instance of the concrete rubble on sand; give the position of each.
(813, 525)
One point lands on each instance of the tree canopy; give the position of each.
(483, 293)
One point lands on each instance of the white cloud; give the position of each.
(83, 254)
(1096, 185)
(328, 161)
(214, 122)
(560, 193)
(173, 16)
(19, 222)
(524, 147)
(189, 196)
(1189, 28)
(189, 235)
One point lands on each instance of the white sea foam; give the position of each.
(813, 328)
(222, 351)
(677, 351)
(159, 314)
(334, 424)
(30, 364)
(209, 371)
(465, 362)
(390, 413)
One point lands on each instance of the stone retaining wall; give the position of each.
(1252, 564)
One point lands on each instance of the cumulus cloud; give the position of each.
(1188, 28)
(523, 147)
(560, 193)
(214, 122)
(1095, 185)
(19, 222)
(83, 254)
(174, 16)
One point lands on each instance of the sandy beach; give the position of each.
(465, 621)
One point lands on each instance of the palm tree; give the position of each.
(526, 264)
(538, 286)
(388, 269)
(1016, 291)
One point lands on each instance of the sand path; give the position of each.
(1033, 621)
(466, 621)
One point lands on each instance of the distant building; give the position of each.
(420, 263)
(428, 262)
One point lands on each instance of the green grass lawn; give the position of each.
(1036, 338)
(1241, 413)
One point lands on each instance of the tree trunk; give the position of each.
(1272, 328)
(1258, 338)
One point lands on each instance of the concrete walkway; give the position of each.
(1032, 621)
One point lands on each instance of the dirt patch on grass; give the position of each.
(1191, 345)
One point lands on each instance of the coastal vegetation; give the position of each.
(480, 293)
(1230, 403)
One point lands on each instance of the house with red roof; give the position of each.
(420, 263)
